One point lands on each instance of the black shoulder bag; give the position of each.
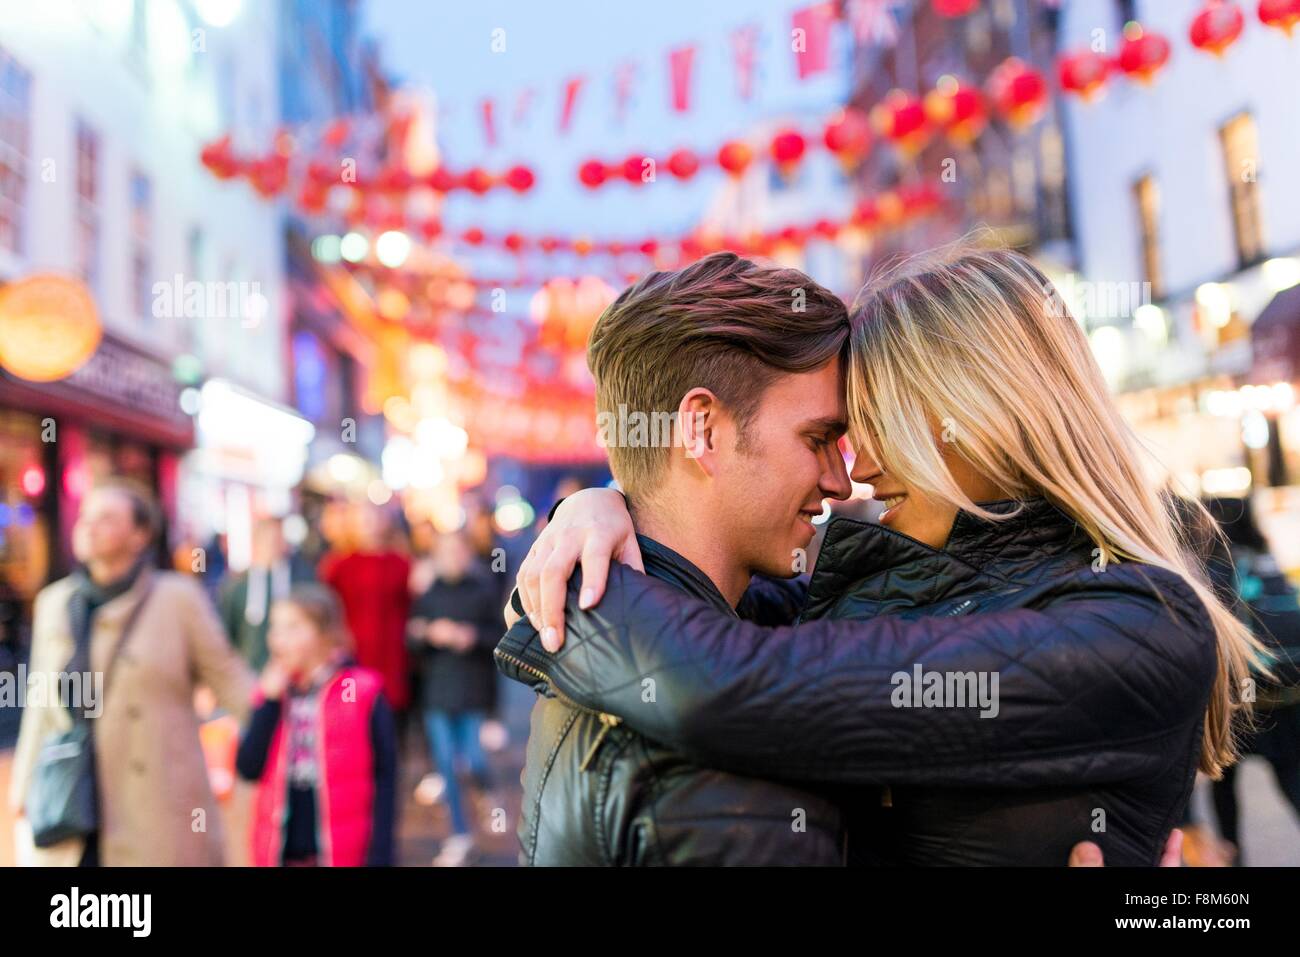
(62, 802)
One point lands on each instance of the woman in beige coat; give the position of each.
(155, 804)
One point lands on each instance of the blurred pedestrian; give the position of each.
(1268, 601)
(454, 626)
(321, 744)
(127, 783)
(371, 581)
(246, 597)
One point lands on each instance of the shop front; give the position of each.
(117, 414)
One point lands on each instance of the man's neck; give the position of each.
(691, 539)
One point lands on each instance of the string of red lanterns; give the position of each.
(890, 209)
(269, 175)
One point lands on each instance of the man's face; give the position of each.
(105, 529)
(772, 485)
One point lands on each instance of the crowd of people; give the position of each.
(303, 678)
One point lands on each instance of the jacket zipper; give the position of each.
(961, 609)
(607, 721)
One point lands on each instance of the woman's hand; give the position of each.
(591, 526)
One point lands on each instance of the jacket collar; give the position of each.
(667, 565)
(866, 557)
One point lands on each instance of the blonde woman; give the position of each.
(1018, 656)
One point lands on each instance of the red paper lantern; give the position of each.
(473, 236)
(954, 8)
(312, 197)
(394, 180)
(900, 118)
(1018, 91)
(592, 174)
(1216, 27)
(219, 158)
(514, 242)
(336, 133)
(269, 175)
(648, 247)
(957, 110)
(430, 229)
(1082, 74)
(1281, 14)
(520, 179)
(548, 244)
(633, 169)
(848, 136)
(826, 228)
(478, 180)
(735, 157)
(442, 180)
(787, 150)
(1142, 55)
(683, 164)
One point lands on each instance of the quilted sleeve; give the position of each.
(1093, 685)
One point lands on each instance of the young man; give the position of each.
(745, 365)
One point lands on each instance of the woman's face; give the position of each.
(909, 510)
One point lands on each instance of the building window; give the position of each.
(15, 140)
(1146, 196)
(1240, 141)
(87, 225)
(141, 245)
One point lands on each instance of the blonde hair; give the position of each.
(980, 345)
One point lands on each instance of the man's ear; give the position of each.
(697, 420)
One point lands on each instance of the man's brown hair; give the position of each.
(722, 323)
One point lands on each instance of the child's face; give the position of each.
(294, 641)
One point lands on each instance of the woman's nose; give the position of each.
(865, 468)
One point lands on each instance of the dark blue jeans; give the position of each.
(453, 740)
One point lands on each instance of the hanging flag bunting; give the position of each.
(624, 77)
(571, 88)
(744, 45)
(810, 39)
(489, 124)
(680, 63)
(523, 103)
(873, 22)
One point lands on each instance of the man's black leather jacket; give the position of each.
(1103, 670)
(598, 793)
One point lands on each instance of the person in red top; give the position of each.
(371, 582)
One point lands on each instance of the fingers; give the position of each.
(631, 554)
(529, 580)
(1173, 854)
(1086, 854)
(596, 556)
(511, 616)
(554, 586)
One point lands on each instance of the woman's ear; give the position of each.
(696, 426)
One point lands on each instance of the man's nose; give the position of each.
(835, 480)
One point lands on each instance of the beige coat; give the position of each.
(155, 805)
